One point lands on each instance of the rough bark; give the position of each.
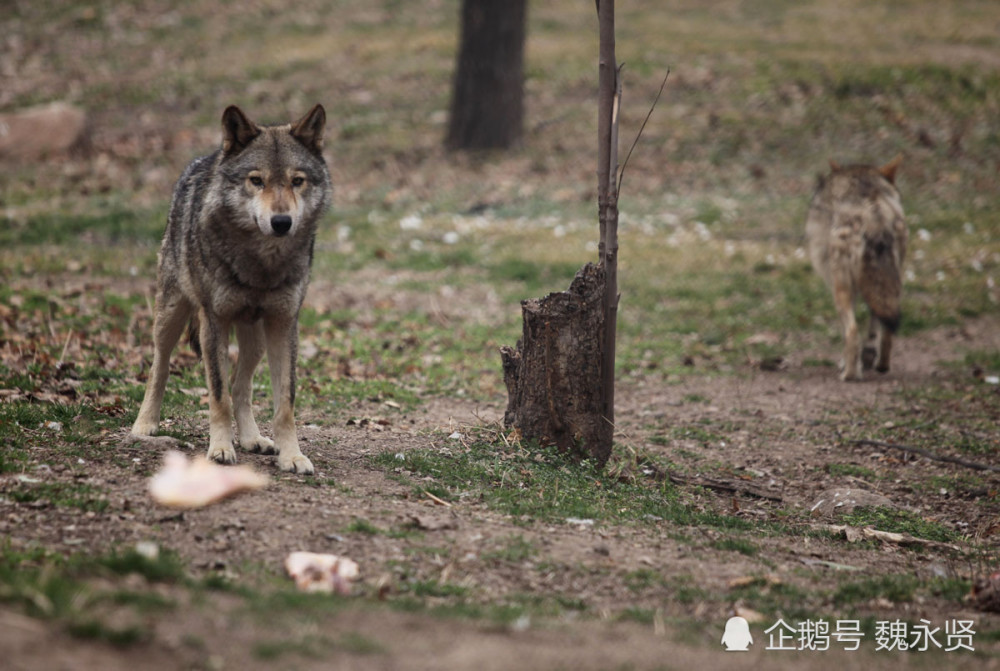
(553, 377)
(487, 108)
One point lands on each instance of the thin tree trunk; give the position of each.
(608, 102)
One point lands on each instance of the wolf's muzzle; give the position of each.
(281, 224)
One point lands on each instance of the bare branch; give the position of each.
(621, 176)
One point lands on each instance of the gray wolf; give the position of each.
(236, 256)
(857, 243)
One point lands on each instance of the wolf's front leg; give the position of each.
(215, 350)
(171, 315)
(251, 341)
(282, 333)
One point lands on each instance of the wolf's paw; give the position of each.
(296, 463)
(868, 355)
(882, 367)
(258, 445)
(143, 428)
(223, 454)
(851, 375)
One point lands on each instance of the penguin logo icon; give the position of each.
(737, 636)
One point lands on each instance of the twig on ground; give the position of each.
(855, 534)
(928, 454)
(716, 485)
(436, 500)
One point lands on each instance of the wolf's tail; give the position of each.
(194, 327)
(881, 283)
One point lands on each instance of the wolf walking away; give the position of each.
(236, 256)
(857, 242)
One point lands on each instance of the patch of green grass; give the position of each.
(899, 589)
(311, 646)
(541, 484)
(962, 483)
(985, 360)
(532, 276)
(900, 521)
(769, 597)
(115, 226)
(120, 637)
(740, 545)
(515, 549)
(435, 588)
(286, 600)
(362, 526)
(642, 579)
(359, 644)
(166, 566)
(699, 434)
(143, 601)
(64, 494)
(62, 589)
(685, 589)
(40, 583)
(645, 616)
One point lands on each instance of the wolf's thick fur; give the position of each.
(857, 242)
(236, 256)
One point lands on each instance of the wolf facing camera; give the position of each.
(236, 256)
(857, 242)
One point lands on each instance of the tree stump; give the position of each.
(553, 377)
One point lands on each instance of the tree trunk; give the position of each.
(487, 109)
(553, 378)
(560, 379)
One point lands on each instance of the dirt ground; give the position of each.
(777, 436)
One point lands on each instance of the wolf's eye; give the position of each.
(298, 181)
(257, 181)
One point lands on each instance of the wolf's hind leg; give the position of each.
(251, 341)
(282, 343)
(171, 315)
(214, 338)
(884, 347)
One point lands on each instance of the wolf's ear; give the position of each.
(237, 130)
(834, 165)
(889, 169)
(309, 129)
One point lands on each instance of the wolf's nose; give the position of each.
(281, 224)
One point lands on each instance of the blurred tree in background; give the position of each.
(487, 107)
